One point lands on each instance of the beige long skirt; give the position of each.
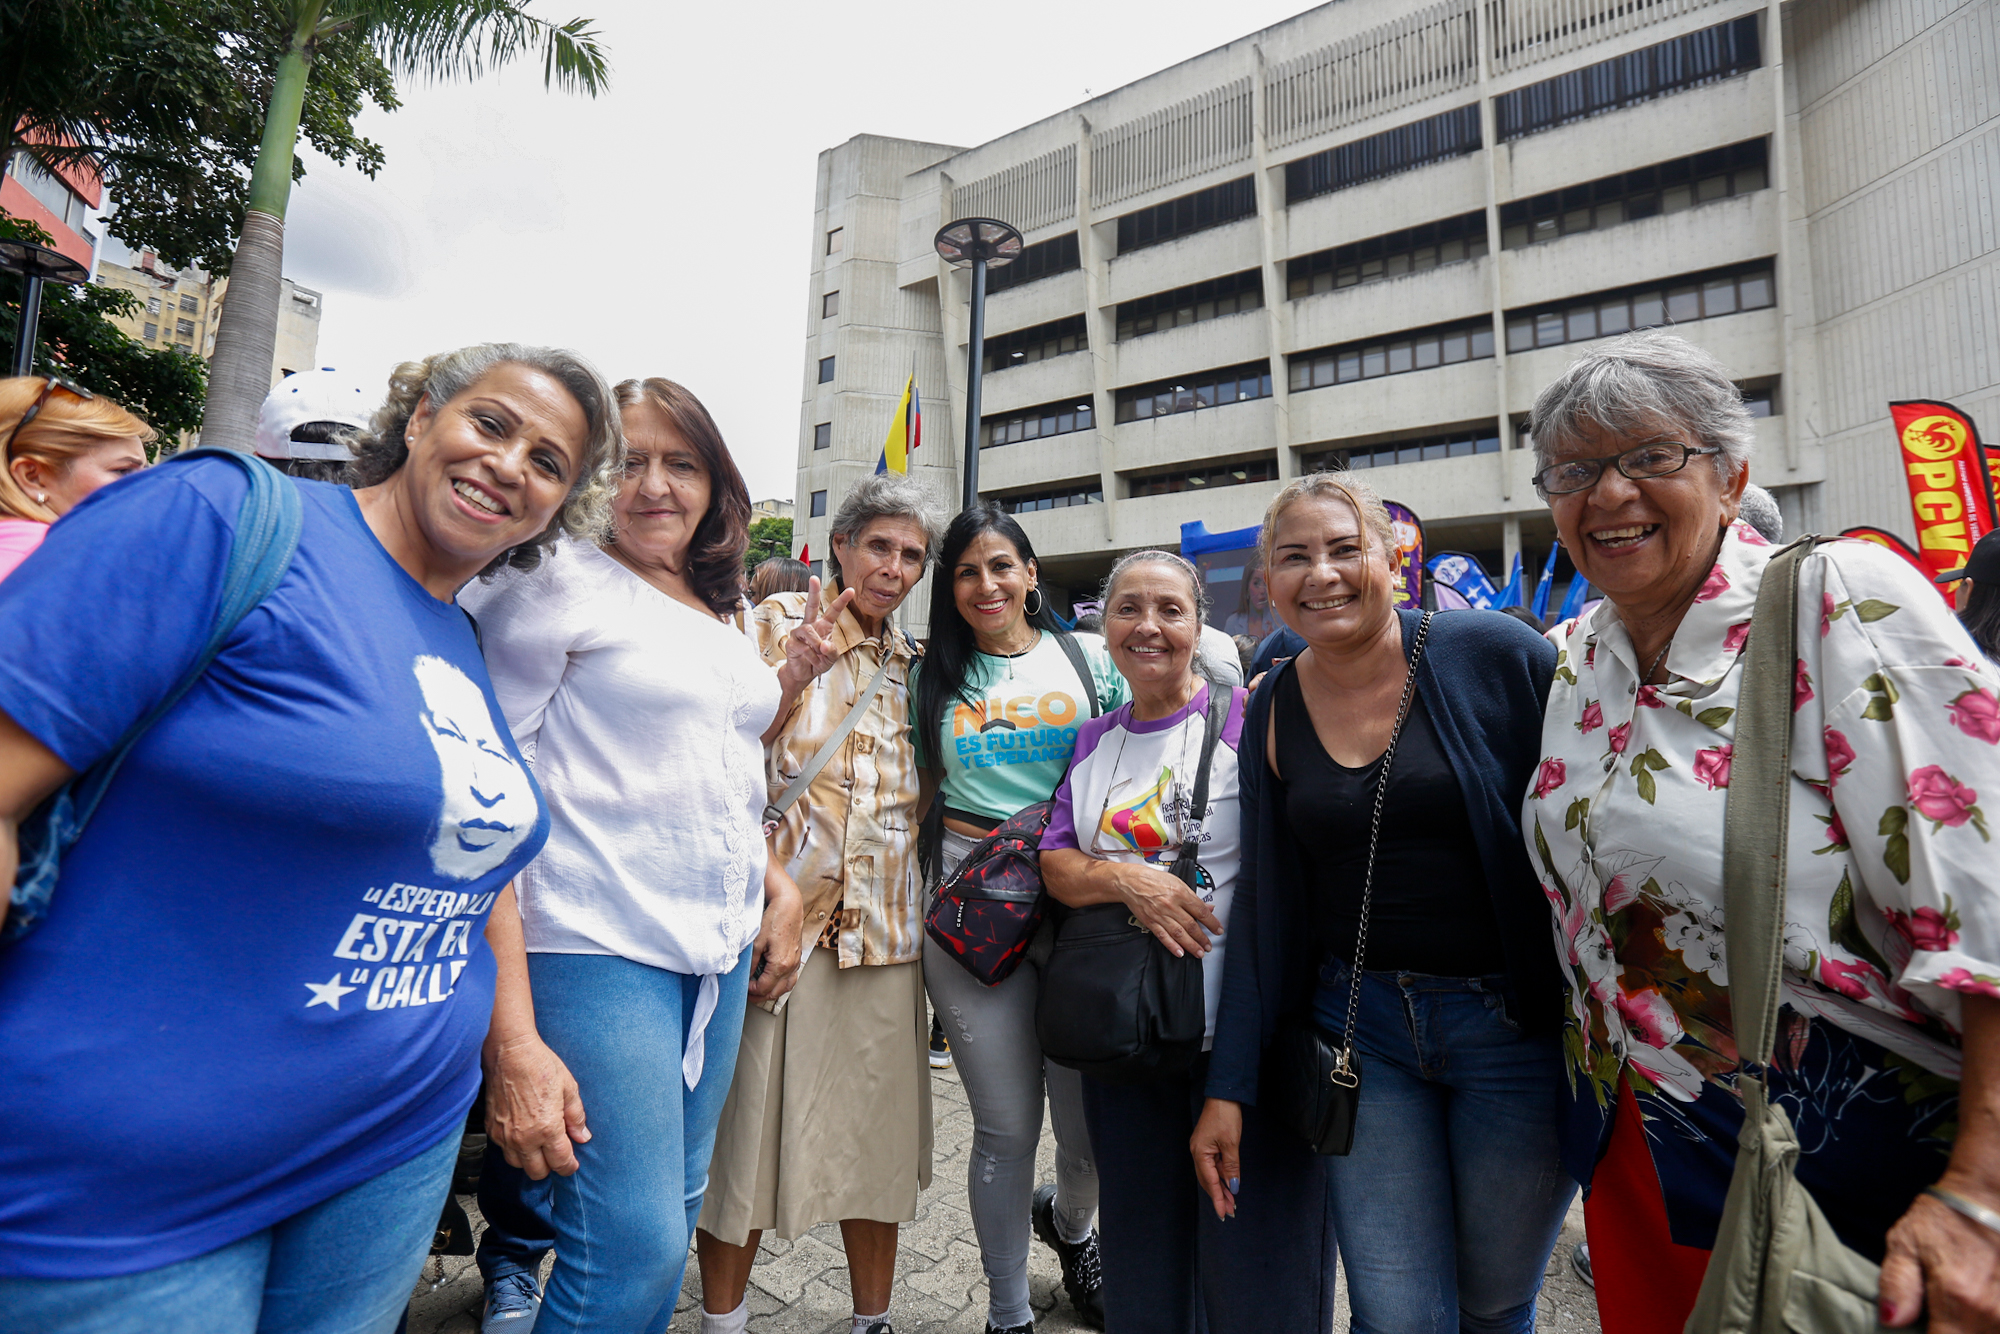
(829, 1116)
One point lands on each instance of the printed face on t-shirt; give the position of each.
(487, 807)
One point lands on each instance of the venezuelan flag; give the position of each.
(906, 431)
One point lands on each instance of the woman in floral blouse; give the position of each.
(1892, 949)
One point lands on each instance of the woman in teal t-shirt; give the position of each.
(996, 704)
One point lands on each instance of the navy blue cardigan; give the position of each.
(1485, 679)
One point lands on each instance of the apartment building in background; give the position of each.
(183, 308)
(1367, 236)
(63, 203)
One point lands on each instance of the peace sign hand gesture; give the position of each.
(809, 649)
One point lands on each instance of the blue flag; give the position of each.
(1465, 576)
(1579, 593)
(1545, 586)
(1510, 596)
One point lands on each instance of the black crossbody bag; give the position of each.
(1313, 1081)
(1115, 1003)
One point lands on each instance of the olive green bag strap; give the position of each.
(1777, 1264)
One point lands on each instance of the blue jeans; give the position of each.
(344, 1266)
(1170, 1265)
(623, 1221)
(1453, 1197)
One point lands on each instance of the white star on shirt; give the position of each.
(328, 992)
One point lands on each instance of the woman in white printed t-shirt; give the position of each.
(1170, 1266)
(641, 707)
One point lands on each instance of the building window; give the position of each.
(1188, 214)
(1057, 255)
(1671, 67)
(1037, 343)
(834, 242)
(829, 305)
(1009, 428)
(185, 328)
(1630, 196)
(823, 436)
(152, 332)
(152, 305)
(1448, 134)
(188, 303)
(1762, 400)
(50, 189)
(1090, 494)
(1390, 256)
(1204, 389)
(1699, 296)
(818, 507)
(1459, 445)
(1206, 478)
(1192, 304)
(1441, 345)
(826, 370)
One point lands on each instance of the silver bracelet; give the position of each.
(1978, 1213)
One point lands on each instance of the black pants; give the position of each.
(1170, 1265)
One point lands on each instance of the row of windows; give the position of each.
(1448, 134)
(1208, 389)
(1629, 196)
(1188, 214)
(1054, 500)
(1701, 297)
(1044, 258)
(1670, 67)
(1462, 444)
(1410, 251)
(1033, 423)
(1037, 342)
(1202, 479)
(1468, 340)
(1191, 304)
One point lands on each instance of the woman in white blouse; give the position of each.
(1888, 1050)
(653, 913)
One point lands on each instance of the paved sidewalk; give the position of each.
(801, 1287)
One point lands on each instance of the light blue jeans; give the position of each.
(623, 1221)
(1453, 1196)
(345, 1266)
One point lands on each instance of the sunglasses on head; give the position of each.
(50, 385)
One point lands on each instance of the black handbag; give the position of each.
(1312, 1080)
(1115, 1003)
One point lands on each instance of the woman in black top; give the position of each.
(1451, 1200)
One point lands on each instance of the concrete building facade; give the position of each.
(183, 308)
(1367, 236)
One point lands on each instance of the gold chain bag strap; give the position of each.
(1777, 1264)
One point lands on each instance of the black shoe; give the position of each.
(1579, 1260)
(880, 1327)
(1028, 1328)
(940, 1052)
(1082, 1269)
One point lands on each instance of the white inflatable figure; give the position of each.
(488, 806)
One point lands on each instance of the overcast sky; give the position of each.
(664, 228)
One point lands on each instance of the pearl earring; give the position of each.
(42, 499)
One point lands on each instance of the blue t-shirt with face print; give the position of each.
(264, 977)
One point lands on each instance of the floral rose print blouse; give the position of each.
(1893, 899)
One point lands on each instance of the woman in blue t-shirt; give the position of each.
(237, 1054)
(996, 703)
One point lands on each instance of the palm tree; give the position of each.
(432, 38)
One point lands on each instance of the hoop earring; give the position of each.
(1035, 610)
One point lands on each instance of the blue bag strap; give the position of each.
(267, 535)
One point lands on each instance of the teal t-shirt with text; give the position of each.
(1005, 742)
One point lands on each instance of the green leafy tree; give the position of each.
(768, 538)
(78, 341)
(434, 39)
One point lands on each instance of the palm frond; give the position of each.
(462, 39)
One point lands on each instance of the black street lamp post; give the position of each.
(982, 243)
(36, 264)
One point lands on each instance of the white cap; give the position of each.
(324, 395)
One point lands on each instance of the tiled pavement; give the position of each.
(800, 1287)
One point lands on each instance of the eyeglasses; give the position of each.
(1658, 458)
(52, 383)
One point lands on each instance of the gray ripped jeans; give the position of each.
(992, 1036)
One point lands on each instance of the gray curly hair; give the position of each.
(381, 450)
(1642, 381)
(886, 495)
(1154, 556)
